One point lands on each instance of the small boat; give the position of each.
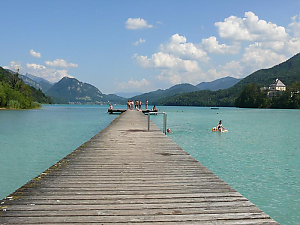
(214, 108)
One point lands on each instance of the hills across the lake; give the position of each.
(288, 72)
(178, 89)
(71, 90)
(220, 92)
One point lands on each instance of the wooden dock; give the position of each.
(127, 175)
(145, 111)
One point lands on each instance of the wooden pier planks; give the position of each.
(128, 175)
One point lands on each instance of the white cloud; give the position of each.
(268, 45)
(139, 42)
(137, 23)
(276, 46)
(177, 61)
(170, 77)
(58, 74)
(295, 26)
(256, 57)
(292, 46)
(250, 28)
(288, 48)
(132, 84)
(175, 77)
(49, 74)
(166, 61)
(141, 83)
(35, 54)
(231, 69)
(179, 47)
(14, 66)
(52, 75)
(35, 66)
(212, 46)
(142, 61)
(60, 63)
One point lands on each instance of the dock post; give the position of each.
(165, 123)
(149, 121)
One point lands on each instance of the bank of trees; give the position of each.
(15, 94)
(252, 97)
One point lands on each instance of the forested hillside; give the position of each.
(15, 94)
(288, 72)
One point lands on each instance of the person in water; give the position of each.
(220, 126)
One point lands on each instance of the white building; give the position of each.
(276, 88)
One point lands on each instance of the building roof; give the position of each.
(277, 83)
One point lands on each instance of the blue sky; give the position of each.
(128, 46)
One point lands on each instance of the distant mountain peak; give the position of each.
(153, 96)
(221, 83)
(36, 82)
(69, 89)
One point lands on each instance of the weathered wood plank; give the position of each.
(130, 212)
(204, 205)
(138, 219)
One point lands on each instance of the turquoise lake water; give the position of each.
(33, 140)
(259, 156)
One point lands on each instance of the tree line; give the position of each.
(253, 97)
(15, 94)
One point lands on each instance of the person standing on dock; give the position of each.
(128, 104)
(146, 104)
(140, 105)
(131, 104)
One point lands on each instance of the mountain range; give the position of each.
(128, 94)
(222, 83)
(155, 96)
(41, 83)
(220, 92)
(71, 90)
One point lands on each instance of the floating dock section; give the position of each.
(127, 175)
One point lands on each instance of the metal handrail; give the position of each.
(164, 120)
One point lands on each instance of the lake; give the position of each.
(33, 140)
(259, 156)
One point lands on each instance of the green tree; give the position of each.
(252, 97)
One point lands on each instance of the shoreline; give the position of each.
(21, 109)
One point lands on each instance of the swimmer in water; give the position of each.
(220, 126)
